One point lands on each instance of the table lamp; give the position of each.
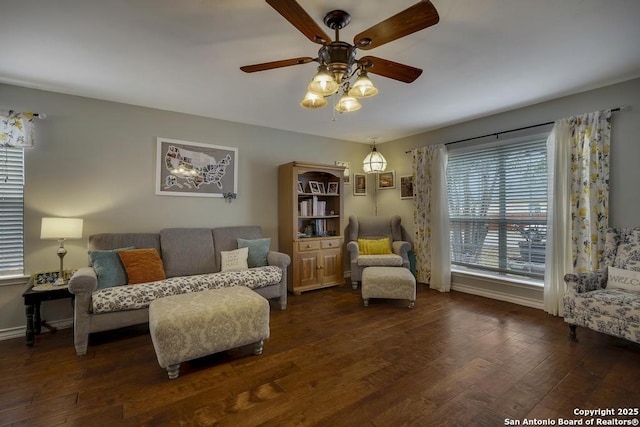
(61, 229)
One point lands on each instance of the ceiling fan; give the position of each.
(337, 59)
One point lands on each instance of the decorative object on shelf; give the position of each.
(347, 170)
(332, 187)
(314, 188)
(337, 59)
(374, 162)
(61, 229)
(230, 196)
(43, 278)
(300, 187)
(360, 184)
(406, 187)
(387, 180)
(187, 168)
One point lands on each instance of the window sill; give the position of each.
(499, 278)
(18, 279)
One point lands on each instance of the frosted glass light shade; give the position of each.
(61, 228)
(347, 104)
(363, 87)
(323, 83)
(374, 162)
(312, 101)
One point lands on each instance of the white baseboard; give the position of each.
(527, 302)
(21, 331)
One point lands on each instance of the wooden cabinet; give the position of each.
(311, 224)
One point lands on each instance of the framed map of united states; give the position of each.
(185, 168)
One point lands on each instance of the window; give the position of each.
(498, 208)
(11, 211)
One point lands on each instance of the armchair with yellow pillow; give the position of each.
(375, 241)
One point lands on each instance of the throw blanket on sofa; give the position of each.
(131, 297)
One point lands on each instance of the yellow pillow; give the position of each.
(142, 265)
(374, 247)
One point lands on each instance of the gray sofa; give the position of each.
(192, 262)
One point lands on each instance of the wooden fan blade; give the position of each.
(276, 64)
(390, 69)
(299, 18)
(417, 17)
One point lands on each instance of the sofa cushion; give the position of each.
(226, 239)
(187, 251)
(623, 279)
(596, 306)
(139, 296)
(258, 250)
(142, 265)
(374, 246)
(104, 241)
(235, 259)
(109, 268)
(391, 260)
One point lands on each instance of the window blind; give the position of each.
(11, 211)
(498, 208)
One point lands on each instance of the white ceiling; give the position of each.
(483, 57)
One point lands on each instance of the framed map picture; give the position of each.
(186, 168)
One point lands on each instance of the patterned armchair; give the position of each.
(588, 302)
(375, 227)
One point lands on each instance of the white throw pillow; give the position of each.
(623, 279)
(235, 260)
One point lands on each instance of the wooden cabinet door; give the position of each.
(331, 266)
(307, 269)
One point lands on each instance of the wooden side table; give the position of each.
(32, 301)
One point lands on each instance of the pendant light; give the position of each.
(374, 162)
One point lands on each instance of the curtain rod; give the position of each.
(497, 134)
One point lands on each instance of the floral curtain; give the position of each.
(16, 129)
(578, 156)
(431, 217)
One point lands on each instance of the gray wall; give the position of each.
(624, 176)
(96, 160)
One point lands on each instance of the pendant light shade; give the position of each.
(374, 162)
(313, 101)
(363, 87)
(323, 83)
(347, 103)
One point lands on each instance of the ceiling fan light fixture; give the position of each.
(313, 101)
(374, 162)
(363, 87)
(347, 104)
(323, 83)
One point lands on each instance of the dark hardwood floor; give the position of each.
(454, 360)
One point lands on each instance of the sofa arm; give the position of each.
(352, 247)
(586, 281)
(279, 259)
(84, 280)
(402, 248)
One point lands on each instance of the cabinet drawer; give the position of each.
(331, 243)
(309, 246)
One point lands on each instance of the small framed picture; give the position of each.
(387, 180)
(359, 184)
(314, 187)
(300, 188)
(406, 187)
(332, 188)
(321, 187)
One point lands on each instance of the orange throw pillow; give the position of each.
(142, 265)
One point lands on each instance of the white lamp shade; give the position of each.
(374, 162)
(347, 103)
(61, 228)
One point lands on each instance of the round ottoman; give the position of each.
(388, 282)
(188, 326)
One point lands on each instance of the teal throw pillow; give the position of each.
(258, 250)
(109, 267)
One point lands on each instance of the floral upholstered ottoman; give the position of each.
(188, 326)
